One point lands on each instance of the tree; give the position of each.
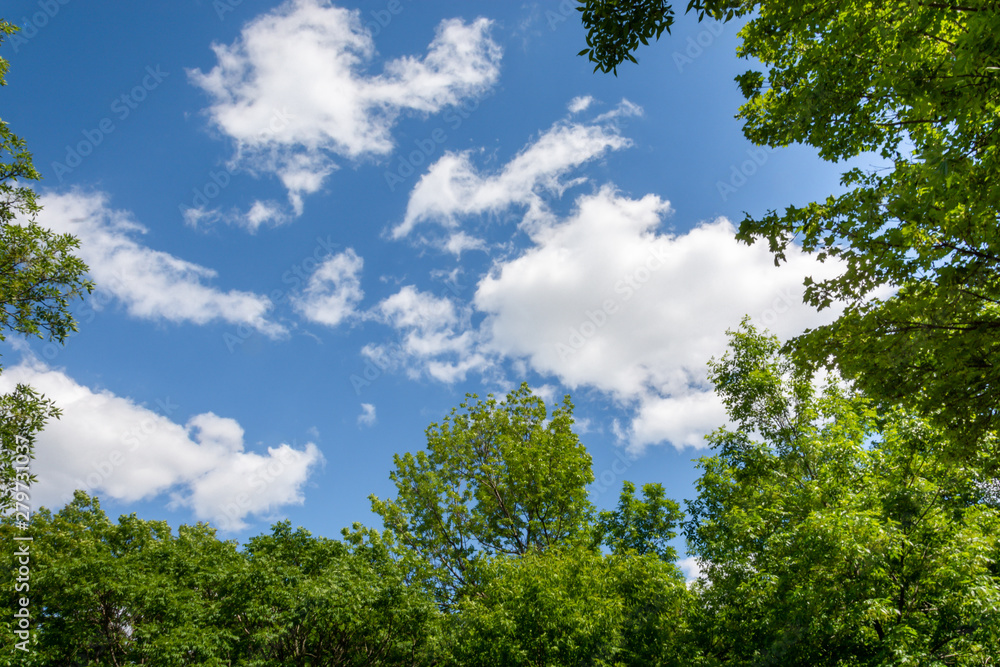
(574, 606)
(918, 84)
(109, 593)
(310, 601)
(132, 592)
(834, 533)
(641, 526)
(615, 28)
(39, 277)
(496, 478)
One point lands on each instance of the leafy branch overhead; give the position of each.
(39, 278)
(616, 28)
(913, 88)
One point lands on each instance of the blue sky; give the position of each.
(315, 227)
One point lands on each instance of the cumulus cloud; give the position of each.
(307, 59)
(578, 104)
(453, 187)
(334, 290)
(367, 416)
(108, 445)
(603, 299)
(151, 284)
(691, 567)
(435, 337)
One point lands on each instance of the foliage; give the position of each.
(126, 593)
(39, 277)
(134, 593)
(497, 478)
(835, 534)
(641, 526)
(307, 601)
(918, 85)
(574, 606)
(615, 28)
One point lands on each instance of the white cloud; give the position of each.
(547, 393)
(264, 212)
(367, 416)
(152, 284)
(260, 214)
(108, 445)
(460, 242)
(436, 338)
(691, 568)
(308, 58)
(603, 300)
(453, 187)
(334, 290)
(579, 104)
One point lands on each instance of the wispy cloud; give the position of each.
(454, 188)
(334, 290)
(310, 57)
(151, 284)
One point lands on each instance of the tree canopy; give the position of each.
(39, 278)
(916, 84)
(833, 533)
(828, 531)
(497, 477)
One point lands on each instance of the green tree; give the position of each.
(918, 84)
(496, 478)
(574, 606)
(132, 592)
(39, 277)
(641, 526)
(311, 601)
(836, 534)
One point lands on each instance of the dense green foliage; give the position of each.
(134, 593)
(830, 533)
(835, 524)
(835, 534)
(576, 607)
(498, 478)
(641, 526)
(536, 588)
(39, 277)
(918, 85)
